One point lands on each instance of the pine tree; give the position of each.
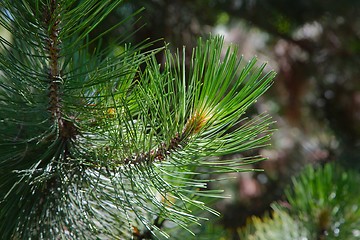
(99, 144)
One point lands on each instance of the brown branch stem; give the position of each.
(67, 129)
(158, 154)
(193, 125)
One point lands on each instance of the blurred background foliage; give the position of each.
(315, 48)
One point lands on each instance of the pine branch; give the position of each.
(90, 146)
(319, 199)
(192, 127)
(52, 23)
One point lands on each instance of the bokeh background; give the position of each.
(313, 45)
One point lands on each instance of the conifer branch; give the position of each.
(52, 26)
(158, 154)
(168, 114)
(193, 125)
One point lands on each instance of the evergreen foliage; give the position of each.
(323, 204)
(103, 144)
(280, 226)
